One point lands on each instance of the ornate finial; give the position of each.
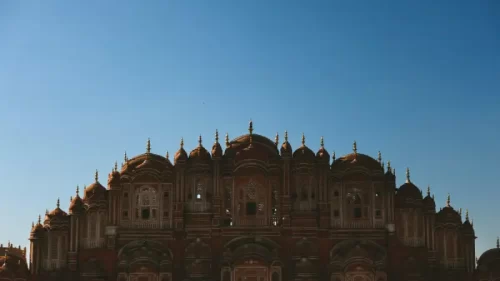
(322, 142)
(216, 136)
(125, 157)
(182, 142)
(286, 136)
(407, 175)
(379, 158)
(277, 139)
(498, 242)
(448, 200)
(227, 140)
(77, 190)
(116, 166)
(466, 214)
(167, 156)
(39, 219)
(96, 176)
(333, 156)
(250, 127)
(355, 147)
(389, 169)
(429, 190)
(303, 139)
(58, 203)
(71, 198)
(148, 146)
(199, 141)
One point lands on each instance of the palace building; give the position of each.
(256, 210)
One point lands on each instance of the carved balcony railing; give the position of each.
(93, 243)
(250, 222)
(358, 224)
(141, 224)
(414, 241)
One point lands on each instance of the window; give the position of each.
(378, 213)
(251, 208)
(377, 194)
(336, 213)
(165, 194)
(336, 193)
(125, 214)
(165, 213)
(198, 196)
(357, 213)
(125, 195)
(145, 213)
(146, 203)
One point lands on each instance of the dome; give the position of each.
(216, 148)
(467, 227)
(57, 212)
(76, 206)
(114, 177)
(428, 201)
(95, 191)
(448, 215)
(303, 154)
(352, 160)
(243, 142)
(409, 191)
(322, 155)
(490, 260)
(180, 155)
(199, 154)
(37, 231)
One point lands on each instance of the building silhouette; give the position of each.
(256, 210)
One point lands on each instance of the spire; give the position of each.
(182, 143)
(322, 142)
(116, 166)
(96, 177)
(39, 219)
(167, 156)
(394, 171)
(58, 203)
(498, 242)
(125, 157)
(380, 158)
(355, 147)
(77, 191)
(227, 140)
(333, 156)
(389, 169)
(216, 136)
(71, 198)
(466, 214)
(277, 139)
(429, 190)
(303, 139)
(407, 175)
(448, 201)
(286, 136)
(250, 127)
(148, 146)
(199, 141)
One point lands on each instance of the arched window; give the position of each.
(147, 204)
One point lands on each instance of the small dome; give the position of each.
(37, 231)
(428, 201)
(216, 148)
(57, 212)
(322, 155)
(95, 191)
(467, 227)
(180, 155)
(286, 148)
(409, 191)
(114, 177)
(448, 215)
(76, 206)
(304, 154)
(489, 260)
(356, 160)
(199, 154)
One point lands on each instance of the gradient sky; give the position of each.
(81, 82)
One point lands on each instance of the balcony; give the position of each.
(358, 224)
(142, 224)
(93, 243)
(414, 241)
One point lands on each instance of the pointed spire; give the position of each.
(227, 140)
(286, 136)
(58, 203)
(333, 156)
(322, 142)
(448, 200)
(216, 136)
(250, 127)
(39, 219)
(125, 157)
(303, 139)
(407, 175)
(389, 169)
(394, 171)
(148, 146)
(466, 214)
(182, 143)
(498, 242)
(96, 177)
(429, 190)
(167, 156)
(199, 141)
(116, 166)
(355, 147)
(77, 191)
(277, 139)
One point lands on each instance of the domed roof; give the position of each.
(409, 190)
(448, 214)
(114, 177)
(95, 191)
(37, 230)
(428, 201)
(180, 155)
(256, 140)
(199, 154)
(356, 159)
(216, 148)
(57, 212)
(322, 155)
(76, 205)
(490, 260)
(304, 154)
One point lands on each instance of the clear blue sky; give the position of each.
(81, 82)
